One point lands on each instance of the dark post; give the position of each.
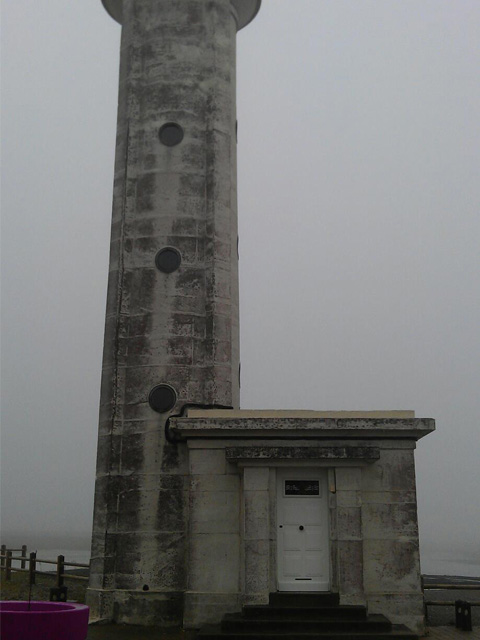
(32, 565)
(58, 594)
(3, 553)
(24, 555)
(8, 566)
(60, 570)
(463, 615)
(458, 613)
(466, 616)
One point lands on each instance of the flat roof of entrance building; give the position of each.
(289, 413)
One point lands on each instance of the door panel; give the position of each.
(292, 540)
(292, 561)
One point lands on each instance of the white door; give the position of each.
(303, 556)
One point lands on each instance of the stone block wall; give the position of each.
(347, 535)
(214, 556)
(257, 533)
(392, 579)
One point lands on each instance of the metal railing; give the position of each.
(463, 608)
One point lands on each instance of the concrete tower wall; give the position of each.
(180, 328)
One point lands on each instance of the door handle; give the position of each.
(301, 527)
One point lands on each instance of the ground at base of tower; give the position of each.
(127, 632)
(131, 632)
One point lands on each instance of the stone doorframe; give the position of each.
(259, 495)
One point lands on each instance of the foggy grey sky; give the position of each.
(359, 192)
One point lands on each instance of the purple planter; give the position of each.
(43, 621)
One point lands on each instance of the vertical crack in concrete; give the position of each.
(121, 271)
(210, 391)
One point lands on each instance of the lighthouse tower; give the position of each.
(172, 327)
(202, 509)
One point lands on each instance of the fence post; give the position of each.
(60, 570)
(463, 615)
(32, 565)
(24, 555)
(458, 613)
(467, 617)
(8, 566)
(3, 553)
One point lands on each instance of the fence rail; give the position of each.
(463, 608)
(451, 587)
(59, 575)
(6, 558)
(437, 586)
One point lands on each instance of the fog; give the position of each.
(359, 192)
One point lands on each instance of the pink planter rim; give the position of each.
(40, 620)
(39, 606)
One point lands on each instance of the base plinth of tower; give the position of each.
(142, 608)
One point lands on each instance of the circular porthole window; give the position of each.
(162, 398)
(170, 134)
(168, 260)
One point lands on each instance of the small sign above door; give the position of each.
(302, 488)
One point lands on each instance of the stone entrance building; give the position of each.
(302, 501)
(199, 508)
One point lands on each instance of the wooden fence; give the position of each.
(7, 557)
(28, 564)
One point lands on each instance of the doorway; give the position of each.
(303, 550)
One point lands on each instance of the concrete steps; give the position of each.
(289, 616)
(215, 632)
(303, 599)
(237, 623)
(304, 613)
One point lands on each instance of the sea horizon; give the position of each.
(76, 548)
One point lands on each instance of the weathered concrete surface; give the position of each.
(391, 549)
(302, 413)
(244, 10)
(301, 453)
(290, 425)
(180, 328)
(214, 556)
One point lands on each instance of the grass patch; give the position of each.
(18, 588)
